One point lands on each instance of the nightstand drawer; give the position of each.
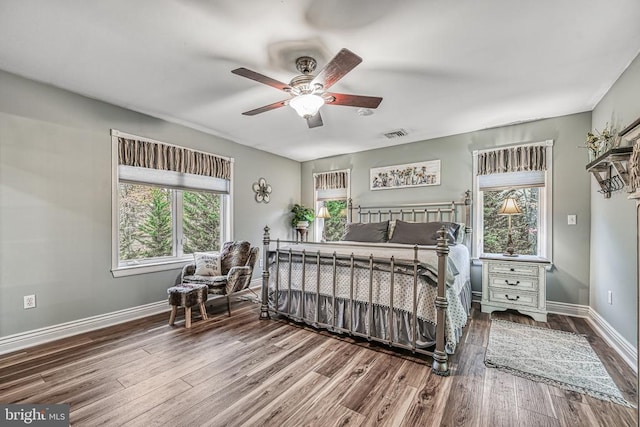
(529, 299)
(524, 283)
(520, 269)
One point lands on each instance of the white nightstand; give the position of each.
(518, 283)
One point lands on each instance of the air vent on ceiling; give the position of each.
(396, 133)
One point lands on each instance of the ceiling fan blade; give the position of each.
(355, 100)
(261, 78)
(315, 120)
(266, 108)
(336, 69)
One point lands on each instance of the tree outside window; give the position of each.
(201, 221)
(148, 219)
(335, 225)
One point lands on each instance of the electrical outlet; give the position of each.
(610, 297)
(572, 219)
(260, 262)
(29, 301)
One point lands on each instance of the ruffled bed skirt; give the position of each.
(379, 328)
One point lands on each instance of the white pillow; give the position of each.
(207, 264)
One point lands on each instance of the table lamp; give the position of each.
(323, 213)
(509, 207)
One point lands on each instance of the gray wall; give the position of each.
(55, 203)
(613, 228)
(569, 280)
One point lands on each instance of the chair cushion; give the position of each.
(234, 254)
(215, 281)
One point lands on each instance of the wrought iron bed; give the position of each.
(308, 282)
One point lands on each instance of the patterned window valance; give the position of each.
(153, 155)
(331, 180)
(513, 159)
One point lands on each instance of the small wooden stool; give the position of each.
(187, 295)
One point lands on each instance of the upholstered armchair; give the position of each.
(235, 262)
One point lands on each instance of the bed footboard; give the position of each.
(439, 355)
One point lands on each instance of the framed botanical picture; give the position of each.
(405, 176)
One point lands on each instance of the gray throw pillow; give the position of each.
(423, 233)
(372, 232)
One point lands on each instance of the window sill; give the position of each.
(131, 270)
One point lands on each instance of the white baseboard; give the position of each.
(26, 339)
(566, 309)
(34, 337)
(623, 347)
(476, 296)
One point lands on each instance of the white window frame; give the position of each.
(317, 228)
(134, 267)
(545, 219)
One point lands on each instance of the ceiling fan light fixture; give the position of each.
(307, 105)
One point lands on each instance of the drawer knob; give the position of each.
(512, 299)
(512, 269)
(512, 284)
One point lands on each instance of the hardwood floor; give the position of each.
(243, 371)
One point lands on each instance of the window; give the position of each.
(334, 225)
(524, 226)
(162, 216)
(522, 172)
(148, 223)
(332, 191)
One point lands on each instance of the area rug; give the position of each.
(562, 359)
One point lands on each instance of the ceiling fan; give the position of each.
(308, 92)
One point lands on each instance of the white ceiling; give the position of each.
(442, 67)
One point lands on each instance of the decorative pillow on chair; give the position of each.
(207, 264)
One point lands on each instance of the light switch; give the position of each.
(572, 219)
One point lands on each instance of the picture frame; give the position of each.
(408, 175)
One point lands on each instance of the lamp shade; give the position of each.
(509, 207)
(306, 105)
(323, 212)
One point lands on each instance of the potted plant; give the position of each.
(600, 142)
(302, 216)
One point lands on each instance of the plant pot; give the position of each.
(302, 225)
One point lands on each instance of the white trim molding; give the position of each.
(623, 347)
(565, 309)
(35, 337)
(26, 339)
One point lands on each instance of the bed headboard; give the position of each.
(449, 211)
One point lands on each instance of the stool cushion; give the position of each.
(187, 295)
